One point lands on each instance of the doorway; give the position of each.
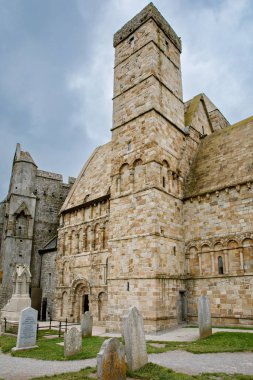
(86, 303)
(182, 306)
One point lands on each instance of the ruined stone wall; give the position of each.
(48, 280)
(50, 195)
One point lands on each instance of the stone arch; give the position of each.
(102, 306)
(65, 273)
(234, 255)
(139, 175)
(80, 294)
(206, 261)
(124, 178)
(105, 236)
(193, 260)
(64, 305)
(88, 238)
(96, 237)
(248, 254)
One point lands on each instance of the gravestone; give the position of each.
(204, 317)
(86, 324)
(72, 342)
(135, 342)
(111, 363)
(27, 329)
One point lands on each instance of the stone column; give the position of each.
(226, 262)
(241, 261)
(213, 266)
(132, 180)
(200, 264)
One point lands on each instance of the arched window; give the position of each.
(220, 265)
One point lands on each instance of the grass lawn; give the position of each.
(218, 342)
(149, 372)
(49, 349)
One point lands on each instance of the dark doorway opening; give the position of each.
(183, 306)
(44, 309)
(85, 303)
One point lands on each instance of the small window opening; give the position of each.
(174, 250)
(166, 42)
(131, 40)
(129, 146)
(164, 182)
(128, 286)
(220, 265)
(203, 130)
(49, 280)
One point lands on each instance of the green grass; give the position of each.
(218, 342)
(49, 349)
(149, 372)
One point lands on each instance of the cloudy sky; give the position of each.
(56, 70)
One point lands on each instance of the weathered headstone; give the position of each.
(135, 342)
(204, 317)
(72, 342)
(111, 363)
(86, 324)
(27, 329)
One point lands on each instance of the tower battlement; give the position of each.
(150, 11)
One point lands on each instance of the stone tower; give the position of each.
(20, 213)
(146, 258)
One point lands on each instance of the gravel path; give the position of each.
(193, 364)
(13, 368)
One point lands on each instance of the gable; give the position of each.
(94, 180)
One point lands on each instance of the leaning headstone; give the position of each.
(135, 342)
(86, 324)
(111, 363)
(27, 329)
(72, 342)
(204, 317)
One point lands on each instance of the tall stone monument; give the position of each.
(204, 317)
(135, 342)
(111, 363)
(27, 329)
(20, 298)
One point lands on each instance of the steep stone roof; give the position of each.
(223, 159)
(94, 180)
(150, 11)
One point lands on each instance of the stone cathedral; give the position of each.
(161, 214)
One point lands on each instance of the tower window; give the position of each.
(164, 182)
(129, 146)
(131, 40)
(220, 265)
(128, 286)
(166, 43)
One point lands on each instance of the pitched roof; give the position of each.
(223, 159)
(94, 179)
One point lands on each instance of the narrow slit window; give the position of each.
(220, 265)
